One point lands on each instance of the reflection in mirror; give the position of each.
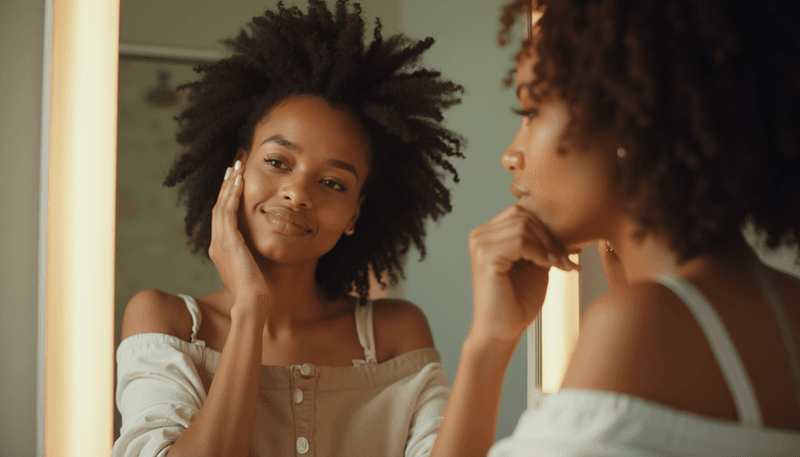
(152, 251)
(151, 242)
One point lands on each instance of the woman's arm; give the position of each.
(470, 420)
(511, 256)
(224, 426)
(223, 423)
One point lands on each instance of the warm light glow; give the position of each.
(535, 16)
(559, 328)
(79, 337)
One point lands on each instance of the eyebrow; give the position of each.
(342, 165)
(283, 141)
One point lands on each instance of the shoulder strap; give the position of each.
(364, 328)
(788, 335)
(722, 346)
(194, 311)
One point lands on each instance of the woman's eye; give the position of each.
(528, 113)
(275, 163)
(332, 184)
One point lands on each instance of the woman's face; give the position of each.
(568, 188)
(302, 180)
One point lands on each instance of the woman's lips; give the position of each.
(287, 221)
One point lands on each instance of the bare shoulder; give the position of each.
(154, 311)
(622, 339)
(400, 326)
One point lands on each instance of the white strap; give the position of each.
(788, 335)
(194, 311)
(364, 328)
(730, 363)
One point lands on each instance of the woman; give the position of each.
(660, 128)
(309, 161)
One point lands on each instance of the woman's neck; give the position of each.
(295, 297)
(645, 258)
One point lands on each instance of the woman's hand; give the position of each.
(615, 272)
(511, 256)
(234, 261)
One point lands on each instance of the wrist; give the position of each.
(249, 308)
(491, 340)
(481, 346)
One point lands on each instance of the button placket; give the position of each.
(304, 380)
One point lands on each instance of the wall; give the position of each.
(21, 49)
(186, 23)
(466, 51)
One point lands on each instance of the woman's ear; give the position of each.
(352, 225)
(241, 154)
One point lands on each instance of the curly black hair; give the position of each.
(323, 53)
(703, 94)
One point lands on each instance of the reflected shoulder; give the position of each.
(400, 326)
(154, 311)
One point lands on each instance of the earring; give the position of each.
(621, 152)
(351, 231)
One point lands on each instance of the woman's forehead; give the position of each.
(525, 75)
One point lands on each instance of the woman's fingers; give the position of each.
(224, 226)
(516, 234)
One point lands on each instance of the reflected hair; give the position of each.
(284, 53)
(704, 95)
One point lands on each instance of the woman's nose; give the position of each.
(296, 191)
(513, 160)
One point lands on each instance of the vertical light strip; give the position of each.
(559, 328)
(80, 229)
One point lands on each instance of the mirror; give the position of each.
(151, 244)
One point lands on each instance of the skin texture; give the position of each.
(640, 339)
(568, 189)
(283, 204)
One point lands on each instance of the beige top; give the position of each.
(387, 409)
(588, 422)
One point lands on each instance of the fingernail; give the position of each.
(237, 165)
(237, 180)
(572, 265)
(227, 173)
(551, 258)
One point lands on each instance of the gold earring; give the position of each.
(621, 152)
(351, 231)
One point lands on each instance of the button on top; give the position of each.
(298, 396)
(307, 369)
(302, 445)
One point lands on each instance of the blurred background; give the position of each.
(151, 250)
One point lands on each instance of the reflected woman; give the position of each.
(310, 160)
(660, 128)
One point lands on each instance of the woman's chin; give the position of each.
(580, 245)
